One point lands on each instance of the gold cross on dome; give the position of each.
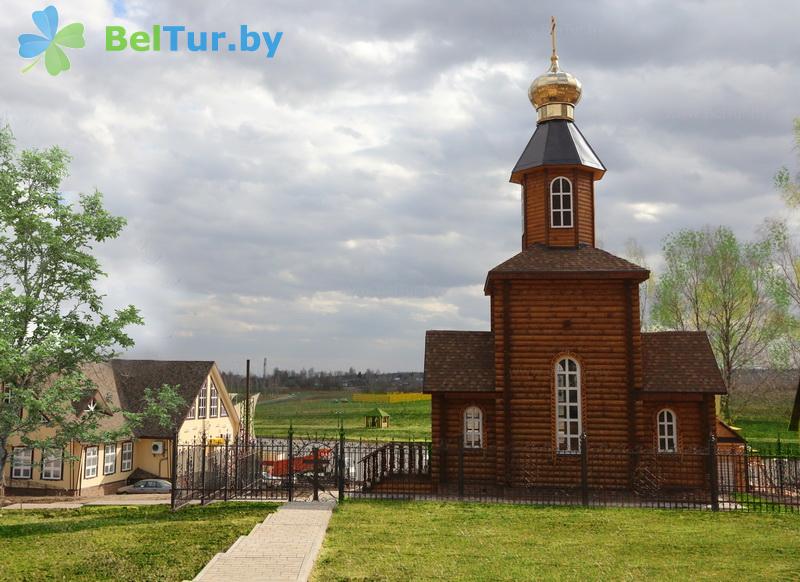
(553, 33)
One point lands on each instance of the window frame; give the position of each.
(469, 432)
(667, 423)
(564, 433)
(15, 465)
(192, 414)
(49, 455)
(213, 400)
(126, 462)
(202, 402)
(561, 211)
(113, 458)
(86, 465)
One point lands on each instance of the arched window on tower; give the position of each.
(568, 406)
(667, 432)
(561, 203)
(473, 428)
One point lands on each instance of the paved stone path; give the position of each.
(282, 548)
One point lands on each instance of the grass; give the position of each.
(765, 418)
(318, 412)
(397, 541)
(119, 543)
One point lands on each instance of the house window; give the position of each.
(667, 433)
(90, 469)
(110, 459)
(22, 463)
(192, 411)
(92, 406)
(201, 402)
(52, 464)
(473, 428)
(568, 406)
(214, 408)
(561, 203)
(127, 456)
(223, 412)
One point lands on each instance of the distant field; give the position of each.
(765, 417)
(397, 541)
(319, 412)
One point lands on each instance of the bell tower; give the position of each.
(558, 168)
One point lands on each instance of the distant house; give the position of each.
(101, 468)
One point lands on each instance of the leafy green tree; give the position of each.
(52, 321)
(732, 290)
(634, 252)
(788, 185)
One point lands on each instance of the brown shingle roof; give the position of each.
(680, 361)
(458, 361)
(582, 261)
(134, 376)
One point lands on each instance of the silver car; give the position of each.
(147, 486)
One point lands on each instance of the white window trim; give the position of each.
(561, 211)
(470, 442)
(568, 435)
(202, 397)
(667, 438)
(126, 464)
(112, 457)
(90, 471)
(21, 470)
(213, 400)
(52, 465)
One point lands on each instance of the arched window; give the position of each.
(473, 428)
(568, 406)
(561, 203)
(667, 432)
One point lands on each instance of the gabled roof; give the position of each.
(583, 261)
(557, 142)
(459, 361)
(680, 361)
(134, 376)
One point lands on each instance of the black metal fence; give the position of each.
(294, 467)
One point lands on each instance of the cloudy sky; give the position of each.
(327, 206)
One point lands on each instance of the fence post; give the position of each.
(460, 468)
(203, 471)
(315, 464)
(227, 468)
(291, 464)
(584, 469)
(342, 465)
(712, 459)
(174, 470)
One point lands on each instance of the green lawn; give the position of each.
(393, 540)
(119, 543)
(318, 413)
(765, 418)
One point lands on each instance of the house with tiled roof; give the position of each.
(94, 468)
(565, 365)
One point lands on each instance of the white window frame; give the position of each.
(558, 199)
(473, 428)
(667, 431)
(110, 459)
(52, 465)
(192, 410)
(213, 401)
(126, 464)
(90, 469)
(569, 424)
(223, 412)
(22, 468)
(202, 402)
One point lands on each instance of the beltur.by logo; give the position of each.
(178, 38)
(33, 45)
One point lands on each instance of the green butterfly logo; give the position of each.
(33, 45)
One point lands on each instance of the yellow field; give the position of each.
(390, 397)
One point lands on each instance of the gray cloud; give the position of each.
(327, 207)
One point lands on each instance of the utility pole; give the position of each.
(264, 375)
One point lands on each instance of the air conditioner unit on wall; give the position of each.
(157, 447)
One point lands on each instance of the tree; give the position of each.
(635, 253)
(731, 290)
(52, 321)
(790, 187)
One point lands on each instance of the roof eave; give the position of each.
(637, 275)
(518, 175)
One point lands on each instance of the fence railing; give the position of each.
(306, 467)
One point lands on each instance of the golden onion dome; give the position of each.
(555, 93)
